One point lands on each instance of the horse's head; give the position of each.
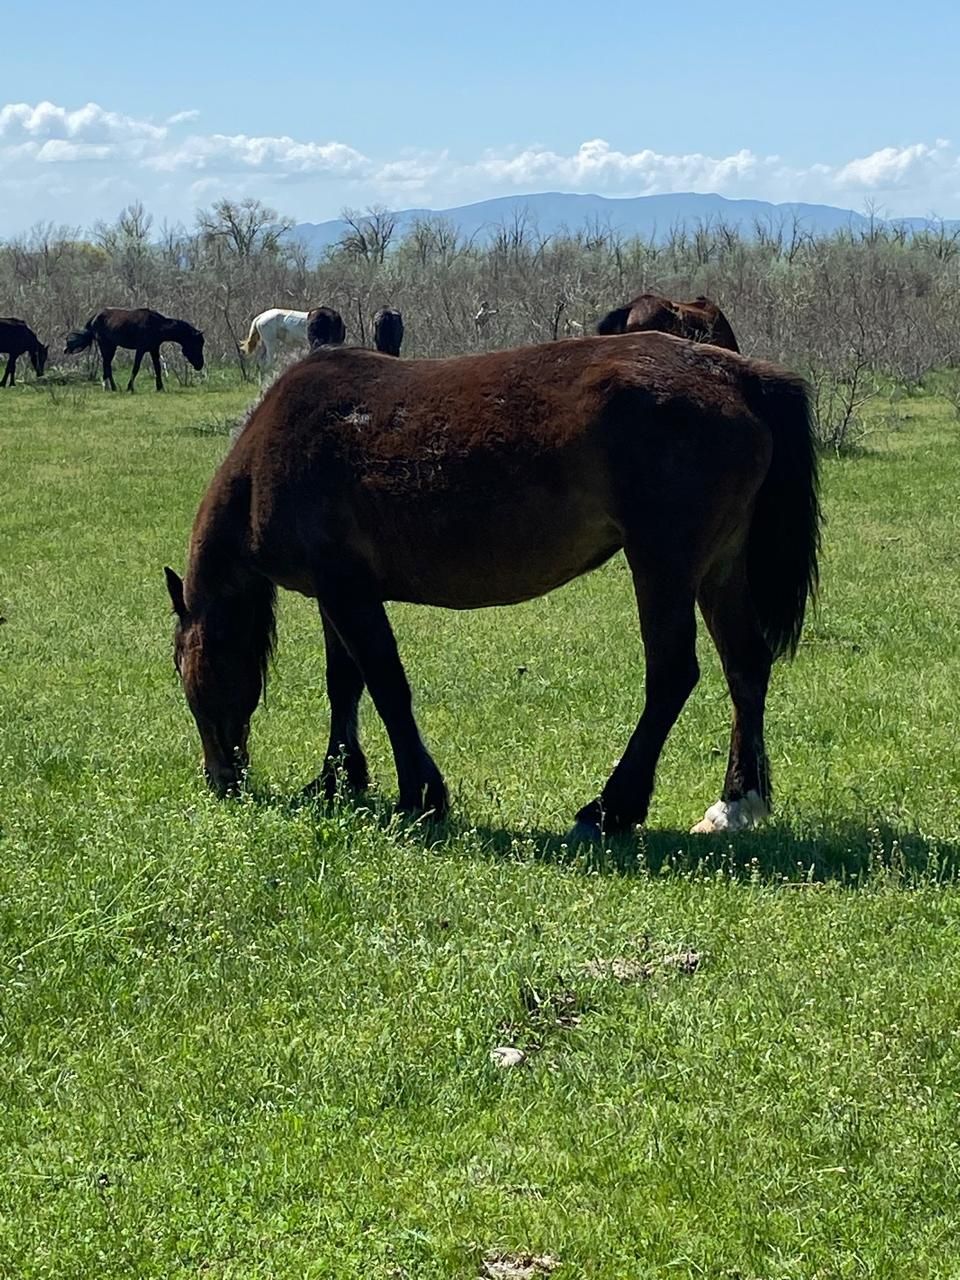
(222, 680)
(38, 358)
(192, 345)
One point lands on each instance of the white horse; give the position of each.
(273, 329)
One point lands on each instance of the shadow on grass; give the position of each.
(848, 853)
(217, 424)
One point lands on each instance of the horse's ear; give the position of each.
(175, 587)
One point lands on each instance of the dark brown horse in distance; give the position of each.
(17, 339)
(491, 479)
(141, 331)
(388, 331)
(325, 328)
(700, 320)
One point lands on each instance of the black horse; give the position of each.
(140, 331)
(388, 331)
(17, 339)
(325, 328)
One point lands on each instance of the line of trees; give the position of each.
(845, 309)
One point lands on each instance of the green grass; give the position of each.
(252, 1040)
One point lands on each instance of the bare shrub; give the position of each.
(847, 310)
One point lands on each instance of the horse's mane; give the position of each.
(262, 617)
(247, 618)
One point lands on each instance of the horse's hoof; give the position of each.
(437, 800)
(583, 833)
(733, 815)
(319, 789)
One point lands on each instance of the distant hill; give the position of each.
(648, 216)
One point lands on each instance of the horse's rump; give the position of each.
(700, 320)
(252, 341)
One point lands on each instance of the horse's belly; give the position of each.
(460, 568)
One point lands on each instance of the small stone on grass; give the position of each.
(506, 1056)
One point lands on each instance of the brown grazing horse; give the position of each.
(17, 339)
(141, 331)
(700, 320)
(325, 328)
(491, 479)
(388, 331)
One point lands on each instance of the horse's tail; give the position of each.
(80, 339)
(784, 540)
(252, 340)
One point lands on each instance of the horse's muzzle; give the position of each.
(225, 779)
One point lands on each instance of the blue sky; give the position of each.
(313, 107)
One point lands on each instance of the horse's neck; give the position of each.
(220, 534)
(173, 330)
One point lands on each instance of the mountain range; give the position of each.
(653, 217)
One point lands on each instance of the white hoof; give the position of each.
(733, 815)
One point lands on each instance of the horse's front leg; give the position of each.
(155, 357)
(107, 352)
(356, 613)
(344, 689)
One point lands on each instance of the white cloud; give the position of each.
(238, 152)
(596, 166)
(21, 122)
(173, 165)
(894, 167)
(57, 151)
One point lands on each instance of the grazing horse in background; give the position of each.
(700, 320)
(17, 339)
(325, 328)
(388, 331)
(488, 480)
(140, 330)
(271, 330)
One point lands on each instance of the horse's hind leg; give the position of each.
(669, 627)
(10, 374)
(727, 610)
(344, 688)
(360, 620)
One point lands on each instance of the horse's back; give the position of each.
(281, 317)
(15, 333)
(403, 426)
(496, 477)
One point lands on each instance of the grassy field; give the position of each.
(251, 1039)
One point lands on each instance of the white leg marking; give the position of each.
(734, 815)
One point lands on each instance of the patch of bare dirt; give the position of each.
(518, 1266)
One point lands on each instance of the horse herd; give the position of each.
(144, 331)
(489, 479)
